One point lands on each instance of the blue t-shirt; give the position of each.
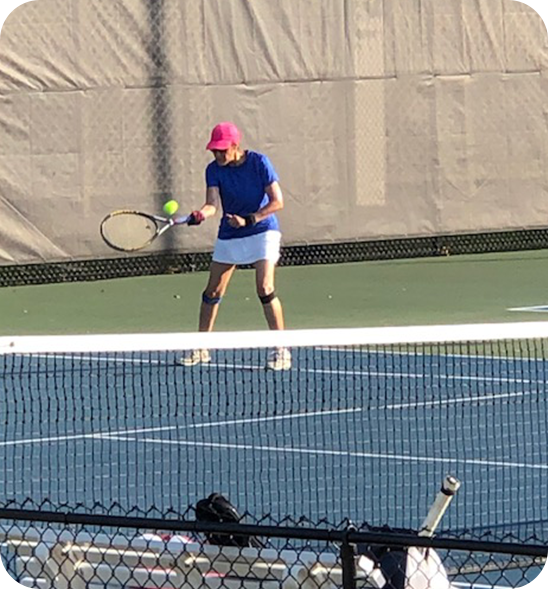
(242, 191)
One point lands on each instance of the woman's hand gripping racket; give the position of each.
(129, 231)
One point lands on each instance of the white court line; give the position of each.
(250, 420)
(320, 452)
(389, 351)
(107, 435)
(353, 373)
(243, 421)
(353, 350)
(305, 414)
(339, 372)
(272, 418)
(455, 401)
(122, 436)
(426, 376)
(83, 356)
(99, 435)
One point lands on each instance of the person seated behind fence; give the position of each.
(217, 508)
(402, 568)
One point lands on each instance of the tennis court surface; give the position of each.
(361, 426)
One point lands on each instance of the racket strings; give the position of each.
(129, 231)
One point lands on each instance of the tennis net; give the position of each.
(362, 426)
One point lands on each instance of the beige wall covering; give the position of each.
(384, 118)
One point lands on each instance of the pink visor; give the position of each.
(223, 136)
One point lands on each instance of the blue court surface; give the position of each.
(361, 434)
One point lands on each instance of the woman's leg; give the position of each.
(279, 358)
(219, 277)
(272, 307)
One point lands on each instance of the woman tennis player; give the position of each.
(246, 184)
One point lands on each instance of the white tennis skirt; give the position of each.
(248, 250)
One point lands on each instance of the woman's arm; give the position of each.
(213, 198)
(275, 202)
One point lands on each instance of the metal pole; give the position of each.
(348, 558)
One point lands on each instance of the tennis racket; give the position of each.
(129, 231)
(444, 497)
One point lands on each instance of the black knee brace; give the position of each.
(268, 298)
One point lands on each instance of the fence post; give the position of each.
(348, 558)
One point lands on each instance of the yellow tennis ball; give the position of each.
(171, 207)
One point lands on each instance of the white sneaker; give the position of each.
(193, 357)
(279, 359)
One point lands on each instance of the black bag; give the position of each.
(217, 508)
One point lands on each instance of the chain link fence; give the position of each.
(298, 255)
(70, 550)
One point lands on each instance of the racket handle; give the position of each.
(181, 220)
(444, 497)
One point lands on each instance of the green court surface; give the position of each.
(461, 289)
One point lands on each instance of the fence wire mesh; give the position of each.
(298, 255)
(73, 550)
